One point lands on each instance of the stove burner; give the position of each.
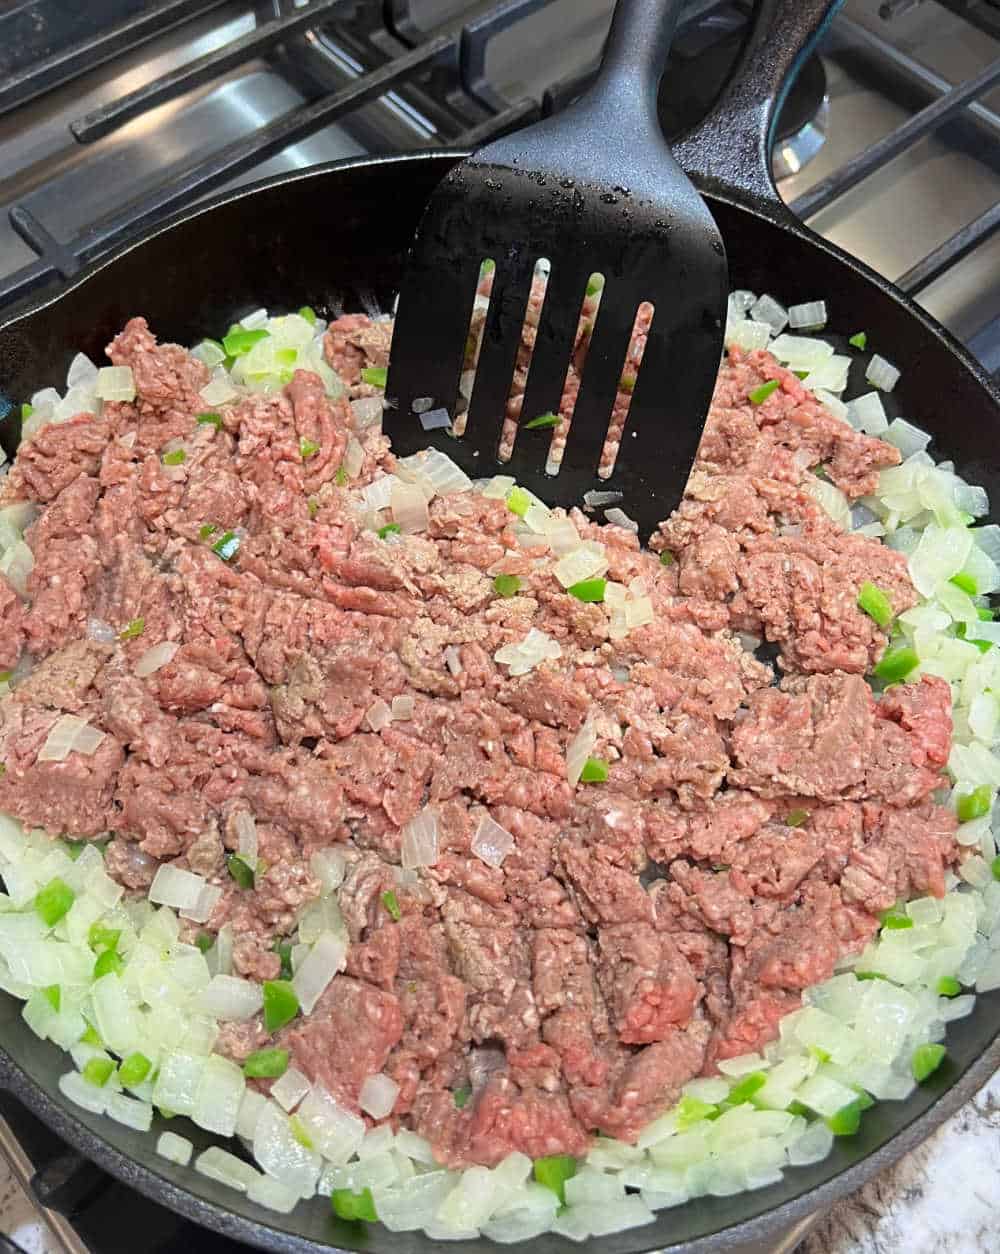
(802, 121)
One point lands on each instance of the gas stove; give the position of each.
(116, 113)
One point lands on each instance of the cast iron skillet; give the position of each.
(335, 237)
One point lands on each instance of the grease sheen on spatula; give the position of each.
(594, 189)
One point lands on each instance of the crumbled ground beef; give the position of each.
(753, 823)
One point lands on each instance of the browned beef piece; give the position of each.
(813, 740)
(55, 456)
(347, 1038)
(74, 795)
(646, 981)
(12, 610)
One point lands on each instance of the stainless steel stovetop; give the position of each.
(117, 112)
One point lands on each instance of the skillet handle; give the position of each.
(729, 151)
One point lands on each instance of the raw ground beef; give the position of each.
(755, 819)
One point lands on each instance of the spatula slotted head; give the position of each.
(584, 209)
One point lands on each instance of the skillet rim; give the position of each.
(144, 1177)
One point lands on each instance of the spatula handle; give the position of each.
(635, 56)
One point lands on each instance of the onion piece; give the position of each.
(491, 842)
(402, 708)
(156, 657)
(281, 1154)
(207, 901)
(67, 735)
(367, 412)
(378, 715)
(586, 562)
(246, 831)
(419, 840)
(747, 334)
(830, 497)
(231, 998)
(334, 1131)
(377, 1095)
(767, 309)
(444, 475)
(317, 969)
(17, 564)
(525, 656)
(175, 887)
(378, 493)
(219, 390)
(409, 508)
(810, 315)
(290, 1088)
(328, 865)
(101, 632)
(453, 660)
(579, 749)
(115, 383)
(498, 487)
(354, 458)
(882, 374)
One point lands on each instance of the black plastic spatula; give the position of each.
(593, 190)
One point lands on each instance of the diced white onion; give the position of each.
(246, 833)
(218, 1164)
(281, 1155)
(173, 886)
(830, 497)
(354, 458)
(882, 374)
(800, 352)
(174, 1148)
(810, 315)
(867, 413)
(156, 657)
(767, 309)
(579, 749)
(523, 657)
(70, 734)
(201, 911)
(231, 998)
(409, 508)
(334, 1131)
(368, 412)
(747, 334)
(377, 1095)
(419, 840)
(639, 612)
(587, 562)
(272, 1194)
(453, 660)
(100, 631)
(218, 391)
(317, 969)
(208, 353)
(115, 383)
(906, 437)
(596, 499)
(378, 715)
(402, 708)
(833, 403)
(491, 842)
(498, 487)
(17, 564)
(288, 1090)
(444, 475)
(328, 865)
